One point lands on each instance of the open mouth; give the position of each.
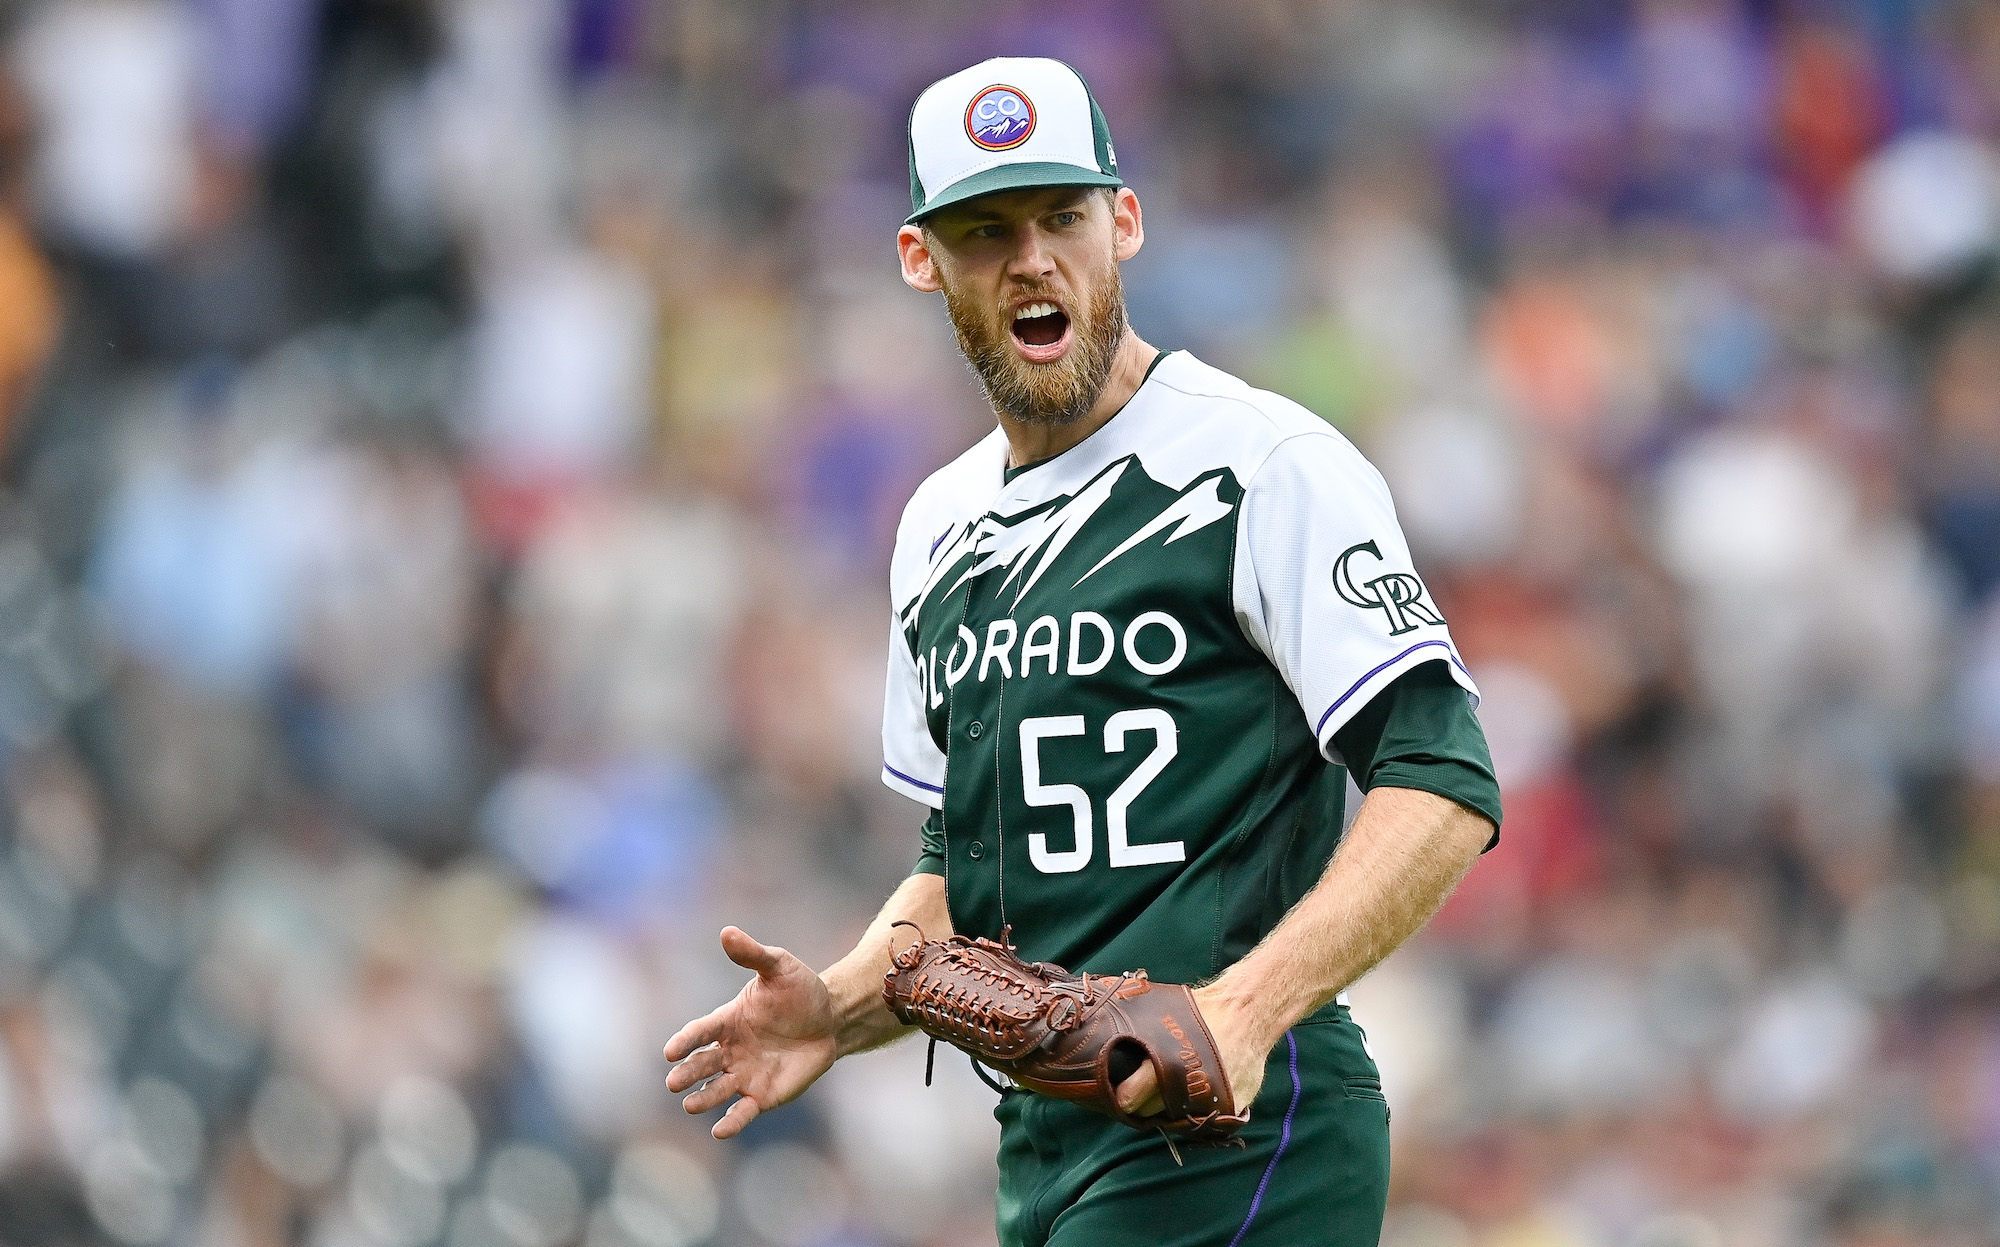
(1040, 324)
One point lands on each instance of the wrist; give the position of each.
(1238, 1020)
(854, 996)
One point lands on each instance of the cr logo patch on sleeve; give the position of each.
(1399, 595)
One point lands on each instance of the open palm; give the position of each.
(765, 1047)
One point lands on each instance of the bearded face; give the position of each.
(1043, 354)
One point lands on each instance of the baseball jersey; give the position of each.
(1115, 675)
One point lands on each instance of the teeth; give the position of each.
(1036, 309)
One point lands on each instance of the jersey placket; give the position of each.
(978, 745)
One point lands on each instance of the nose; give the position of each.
(1031, 260)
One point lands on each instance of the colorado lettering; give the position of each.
(996, 648)
(1107, 640)
(966, 645)
(1153, 644)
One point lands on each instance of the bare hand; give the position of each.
(765, 1047)
(1242, 1063)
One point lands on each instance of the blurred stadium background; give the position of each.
(452, 449)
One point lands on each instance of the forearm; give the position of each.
(855, 981)
(1395, 867)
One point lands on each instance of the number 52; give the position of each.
(1166, 744)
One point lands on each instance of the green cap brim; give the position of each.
(1018, 177)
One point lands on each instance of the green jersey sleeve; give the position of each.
(1420, 733)
(931, 860)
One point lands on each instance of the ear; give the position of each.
(919, 265)
(1128, 227)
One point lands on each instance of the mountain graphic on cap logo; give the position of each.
(999, 118)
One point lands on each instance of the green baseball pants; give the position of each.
(1315, 1171)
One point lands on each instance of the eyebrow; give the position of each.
(1061, 205)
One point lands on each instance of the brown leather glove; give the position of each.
(1072, 1036)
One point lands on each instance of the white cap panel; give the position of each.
(945, 152)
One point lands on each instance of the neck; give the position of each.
(1032, 443)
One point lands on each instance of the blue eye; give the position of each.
(1068, 218)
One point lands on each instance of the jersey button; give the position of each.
(975, 850)
(973, 729)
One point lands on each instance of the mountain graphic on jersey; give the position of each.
(1122, 516)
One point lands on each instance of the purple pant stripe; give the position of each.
(1284, 1140)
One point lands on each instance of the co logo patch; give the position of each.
(999, 119)
(1399, 595)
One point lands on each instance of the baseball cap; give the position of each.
(1009, 123)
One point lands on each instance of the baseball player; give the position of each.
(1142, 633)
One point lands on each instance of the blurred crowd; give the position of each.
(452, 449)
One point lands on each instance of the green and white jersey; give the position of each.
(1117, 674)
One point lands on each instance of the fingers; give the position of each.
(702, 1063)
(740, 1114)
(748, 953)
(696, 1034)
(1139, 1094)
(715, 1094)
(745, 952)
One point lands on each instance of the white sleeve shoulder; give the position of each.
(1325, 585)
(911, 761)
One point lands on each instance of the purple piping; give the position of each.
(909, 779)
(1379, 670)
(1284, 1140)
